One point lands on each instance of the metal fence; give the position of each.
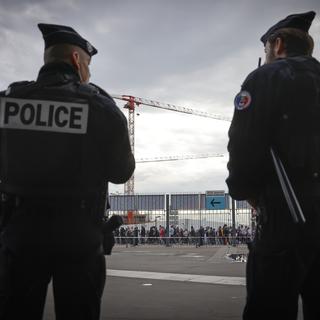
(182, 218)
(182, 241)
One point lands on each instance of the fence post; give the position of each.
(167, 218)
(233, 213)
(199, 207)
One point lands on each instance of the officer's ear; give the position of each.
(279, 48)
(75, 59)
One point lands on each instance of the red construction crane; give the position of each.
(132, 102)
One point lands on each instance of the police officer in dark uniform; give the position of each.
(278, 107)
(61, 141)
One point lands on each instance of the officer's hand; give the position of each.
(108, 243)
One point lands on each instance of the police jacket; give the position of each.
(279, 107)
(60, 137)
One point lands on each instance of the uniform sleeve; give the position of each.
(249, 138)
(114, 143)
(122, 162)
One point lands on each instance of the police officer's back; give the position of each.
(62, 141)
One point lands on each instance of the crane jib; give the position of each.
(168, 106)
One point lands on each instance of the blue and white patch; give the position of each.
(242, 100)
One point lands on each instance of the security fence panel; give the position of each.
(136, 202)
(122, 202)
(242, 204)
(184, 212)
(192, 210)
(138, 209)
(244, 213)
(150, 202)
(185, 201)
(191, 218)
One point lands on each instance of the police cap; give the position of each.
(57, 34)
(300, 21)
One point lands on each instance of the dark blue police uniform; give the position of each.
(279, 107)
(61, 142)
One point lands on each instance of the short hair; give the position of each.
(61, 52)
(296, 41)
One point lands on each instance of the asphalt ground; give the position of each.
(166, 283)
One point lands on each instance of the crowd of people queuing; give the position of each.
(222, 235)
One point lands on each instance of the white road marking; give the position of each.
(191, 255)
(223, 280)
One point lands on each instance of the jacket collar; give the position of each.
(56, 72)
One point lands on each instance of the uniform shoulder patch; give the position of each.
(242, 100)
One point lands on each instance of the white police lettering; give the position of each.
(43, 115)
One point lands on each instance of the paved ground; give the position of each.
(164, 283)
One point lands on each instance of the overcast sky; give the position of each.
(192, 53)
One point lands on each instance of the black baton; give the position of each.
(288, 192)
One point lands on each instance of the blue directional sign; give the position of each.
(215, 202)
